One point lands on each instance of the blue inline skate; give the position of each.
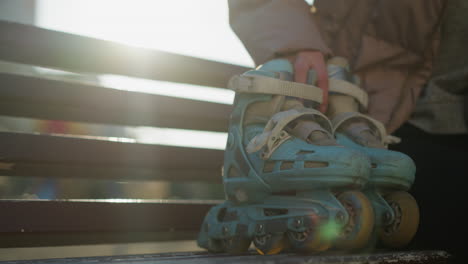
(392, 173)
(288, 185)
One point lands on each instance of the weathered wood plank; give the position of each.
(65, 222)
(410, 257)
(58, 156)
(32, 45)
(33, 97)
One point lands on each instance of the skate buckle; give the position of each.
(274, 143)
(241, 83)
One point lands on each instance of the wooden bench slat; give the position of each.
(26, 222)
(33, 97)
(59, 156)
(36, 46)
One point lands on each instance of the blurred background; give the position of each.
(194, 28)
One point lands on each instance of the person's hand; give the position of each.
(307, 60)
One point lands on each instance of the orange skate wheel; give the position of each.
(400, 232)
(358, 230)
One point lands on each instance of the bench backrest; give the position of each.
(54, 222)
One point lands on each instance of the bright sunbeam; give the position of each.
(196, 92)
(180, 137)
(193, 28)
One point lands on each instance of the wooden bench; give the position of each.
(39, 223)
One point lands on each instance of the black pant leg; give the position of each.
(440, 189)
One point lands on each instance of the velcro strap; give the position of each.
(274, 133)
(267, 85)
(305, 127)
(347, 88)
(376, 125)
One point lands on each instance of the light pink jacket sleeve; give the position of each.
(272, 28)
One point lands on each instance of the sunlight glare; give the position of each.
(181, 137)
(194, 28)
(195, 92)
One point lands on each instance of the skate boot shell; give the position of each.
(288, 184)
(392, 173)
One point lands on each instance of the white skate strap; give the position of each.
(274, 134)
(267, 85)
(340, 65)
(347, 88)
(374, 125)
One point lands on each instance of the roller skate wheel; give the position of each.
(215, 245)
(400, 232)
(358, 230)
(269, 244)
(307, 241)
(236, 245)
